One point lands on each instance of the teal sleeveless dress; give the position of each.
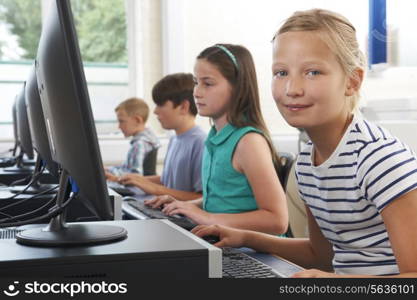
(225, 190)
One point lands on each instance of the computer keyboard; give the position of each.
(153, 213)
(245, 263)
(124, 190)
(237, 264)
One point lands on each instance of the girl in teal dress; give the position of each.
(240, 184)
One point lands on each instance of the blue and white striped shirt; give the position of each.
(347, 193)
(140, 145)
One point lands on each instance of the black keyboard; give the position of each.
(120, 188)
(237, 264)
(153, 213)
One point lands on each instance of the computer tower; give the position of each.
(152, 249)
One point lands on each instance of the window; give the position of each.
(402, 44)
(101, 29)
(20, 27)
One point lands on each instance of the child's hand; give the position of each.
(140, 181)
(132, 179)
(188, 209)
(110, 176)
(228, 237)
(159, 201)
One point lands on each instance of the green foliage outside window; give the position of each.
(101, 27)
(24, 20)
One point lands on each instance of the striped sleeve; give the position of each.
(386, 170)
(135, 158)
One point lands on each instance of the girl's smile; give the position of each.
(297, 107)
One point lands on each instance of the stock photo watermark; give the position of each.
(59, 288)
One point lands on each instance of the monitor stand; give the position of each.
(20, 167)
(35, 187)
(59, 233)
(6, 162)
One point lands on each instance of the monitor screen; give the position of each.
(37, 126)
(23, 139)
(72, 134)
(16, 136)
(23, 129)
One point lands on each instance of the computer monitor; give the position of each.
(23, 128)
(40, 141)
(23, 135)
(11, 160)
(16, 137)
(37, 126)
(72, 135)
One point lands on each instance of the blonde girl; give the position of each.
(358, 181)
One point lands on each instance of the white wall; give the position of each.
(246, 22)
(187, 27)
(253, 23)
(107, 86)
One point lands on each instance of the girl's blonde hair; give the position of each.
(338, 34)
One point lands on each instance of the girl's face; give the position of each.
(308, 84)
(212, 91)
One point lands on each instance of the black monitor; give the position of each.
(39, 141)
(37, 126)
(23, 135)
(16, 137)
(23, 128)
(72, 135)
(9, 161)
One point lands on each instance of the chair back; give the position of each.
(149, 163)
(286, 160)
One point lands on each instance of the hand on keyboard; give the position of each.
(160, 201)
(154, 213)
(110, 176)
(141, 182)
(228, 237)
(190, 209)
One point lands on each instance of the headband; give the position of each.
(229, 53)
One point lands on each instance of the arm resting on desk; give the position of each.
(312, 252)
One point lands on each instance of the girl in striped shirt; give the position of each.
(358, 181)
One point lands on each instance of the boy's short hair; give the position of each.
(134, 106)
(176, 87)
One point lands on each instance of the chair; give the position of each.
(286, 160)
(297, 226)
(149, 163)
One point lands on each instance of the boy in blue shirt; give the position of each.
(176, 110)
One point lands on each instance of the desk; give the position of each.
(152, 249)
(282, 266)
